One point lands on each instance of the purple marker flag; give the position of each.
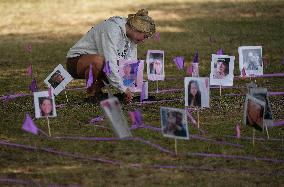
(179, 61)
(91, 77)
(138, 118)
(29, 125)
(220, 51)
(244, 72)
(33, 86)
(156, 36)
(30, 70)
(28, 48)
(189, 70)
(238, 131)
(195, 58)
(106, 68)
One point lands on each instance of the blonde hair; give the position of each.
(142, 22)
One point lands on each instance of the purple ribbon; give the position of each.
(269, 93)
(250, 138)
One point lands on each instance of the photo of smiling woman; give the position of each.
(46, 107)
(194, 94)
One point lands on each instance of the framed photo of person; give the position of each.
(131, 72)
(222, 70)
(196, 92)
(254, 112)
(250, 59)
(174, 123)
(58, 79)
(113, 111)
(261, 94)
(155, 65)
(44, 105)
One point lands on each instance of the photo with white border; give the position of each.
(155, 65)
(44, 105)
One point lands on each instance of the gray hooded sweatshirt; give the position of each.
(109, 40)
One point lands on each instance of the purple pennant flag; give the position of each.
(30, 70)
(243, 72)
(220, 52)
(49, 92)
(96, 119)
(179, 61)
(156, 36)
(91, 77)
(33, 86)
(238, 131)
(195, 58)
(28, 48)
(138, 118)
(29, 125)
(189, 70)
(106, 68)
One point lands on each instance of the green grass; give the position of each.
(52, 27)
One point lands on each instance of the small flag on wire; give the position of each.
(28, 48)
(244, 72)
(30, 70)
(156, 36)
(220, 51)
(238, 131)
(195, 58)
(33, 86)
(179, 61)
(189, 70)
(90, 80)
(29, 125)
(106, 68)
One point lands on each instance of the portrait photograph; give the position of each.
(222, 70)
(174, 123)
(254, 110)
(262, 94)
(118, 122)
(44, 105)
(250, 58)
(196, 92)
(131, 72)
(58, 79)
(155, 65)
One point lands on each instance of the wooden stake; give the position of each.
(266, 130)
(220, 90)
(49, 133)
(176, 146)
(197, 118)
(157, 89)
(66, 96)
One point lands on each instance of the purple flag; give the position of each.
(91, 77)
(179, 61)
(243, 72)
(220, 51)
(195, 58)
(189, 70)
(29, 125)
(30, 70)
(96, 119)
(49, 92)
(156, 36)
(28, 48)
(33, 86)
(238, 131)
(106, 68)
(138, 118)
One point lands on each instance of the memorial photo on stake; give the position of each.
(254, 112)
(117, 120)
(222, 70)
(155, 65)
(196, 92)
(44, 105)
(174, 123)
(131, 72)
(250, 59)
(262, 94)
(58, 79)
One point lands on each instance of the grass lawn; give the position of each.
(52, 27)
